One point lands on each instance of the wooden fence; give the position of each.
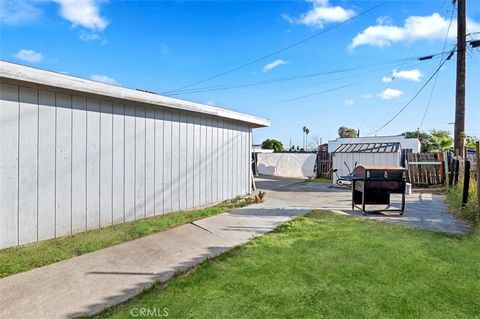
(324, 163)
(425, 168)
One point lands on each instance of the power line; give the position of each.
(296, 77)
(436, 76)
(391, 81)
(276, 80)
(337, 88)
(332, 89)
(416, 94)
(323, 82)
(277, 51)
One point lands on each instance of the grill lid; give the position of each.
(379, 172)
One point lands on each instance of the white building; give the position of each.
(405, 143)
(348, 156)
(77, 154)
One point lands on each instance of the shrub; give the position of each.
(470, 212)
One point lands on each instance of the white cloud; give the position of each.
(211, 103)
(387, 79)
(384, 20)
(84, 13)
(349, 102)
(103, 79)
(411, 75)
(273, 65)
(389, 94)
(18, 11)
(29, 56)
(89, 36)
(321, 13)
(414, 28)
(367, 96)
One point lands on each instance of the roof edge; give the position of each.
(352, 146)
(19, 72)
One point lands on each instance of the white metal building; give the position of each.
(365, 154)
(77, 154)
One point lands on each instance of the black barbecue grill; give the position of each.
(372, 185)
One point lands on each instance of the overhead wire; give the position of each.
(393, 78)
(416, 94)
(339, 87)
(436, 76)
(295, 77)
(277, 51)
(281, 79)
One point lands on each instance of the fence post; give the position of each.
(446, 175)
(478, 176)
(466, 182)
(456, 171)
(451, 171)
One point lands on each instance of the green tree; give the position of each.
(272, 144)
(471, 141)
(440, 141)
(423, 137)
(344, 131)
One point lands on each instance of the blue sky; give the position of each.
(164, 45)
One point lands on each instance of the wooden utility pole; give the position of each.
(459, 134)
(478, 175)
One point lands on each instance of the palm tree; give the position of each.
(440, 141)
(306, 138)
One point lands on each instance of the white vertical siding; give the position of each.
(93, 163)
(167, 161)
(79, 163)
(175, 162)
(140, 206)
(72, 162)
(224, 154)
(189, 177)
(182, 160)
(129, 173)
(27, 187)
(159, 183)
(63, 177)
(46, 164)
(118, 164)
(150, 162)
(9, 127)
(106, 161)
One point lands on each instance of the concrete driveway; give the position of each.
(425, 211)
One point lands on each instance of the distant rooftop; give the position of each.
(368, 148)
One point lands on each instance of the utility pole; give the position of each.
(459, 134)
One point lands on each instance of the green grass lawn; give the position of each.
(328, 266)
(23, 258)
(319, 180)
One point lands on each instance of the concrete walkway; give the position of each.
(90, 283)
(424, 211)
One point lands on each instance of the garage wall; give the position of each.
(286, 164)
(339, 160)
(71, 162)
